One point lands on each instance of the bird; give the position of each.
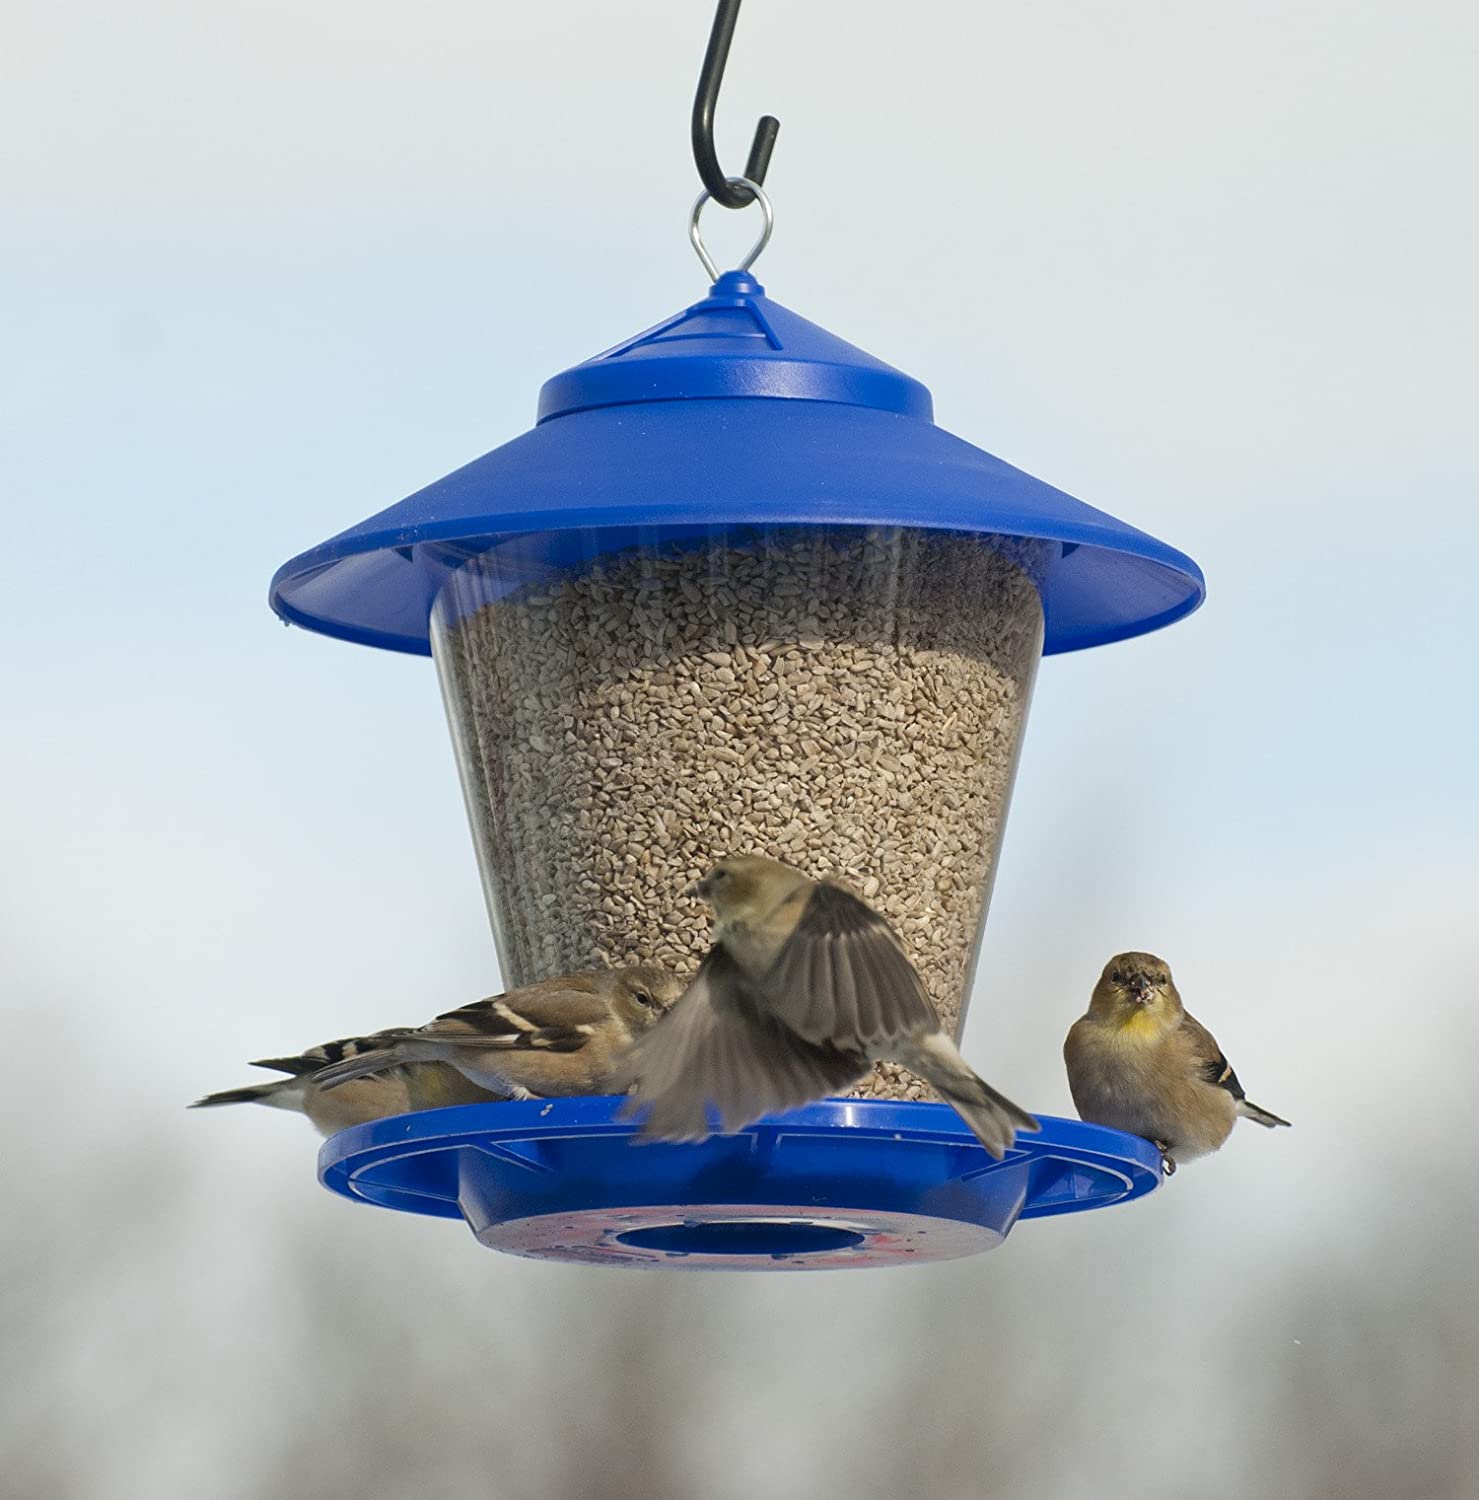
(804, 989)
(560, 1036)
(418, 1086)
(1138, 1061)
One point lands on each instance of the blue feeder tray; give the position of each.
(846, 1182)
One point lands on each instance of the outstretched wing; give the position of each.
(717, 1047)
(843, 977)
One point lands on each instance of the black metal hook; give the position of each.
(703, 118)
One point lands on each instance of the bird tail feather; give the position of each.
(1260, 1116)
(281, 1093)
(993, 1117)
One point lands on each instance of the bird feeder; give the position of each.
(735, 592)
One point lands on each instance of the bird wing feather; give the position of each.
(843, 977)
(717, 1047)
(324, 1055)
(556, 1019)
(539, 1005)
(1211, 1064)
(1216, 1069)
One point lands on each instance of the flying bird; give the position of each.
(804, 989)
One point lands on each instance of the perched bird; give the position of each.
(1138, 1062)
(560, 1036)
(421, 1086)
(804, 990)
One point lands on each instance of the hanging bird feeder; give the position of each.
(735, 592)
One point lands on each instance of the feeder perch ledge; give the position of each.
(842, 1183)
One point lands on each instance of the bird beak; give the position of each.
(699, 888)
(1143, 991)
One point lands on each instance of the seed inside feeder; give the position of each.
(849, 701)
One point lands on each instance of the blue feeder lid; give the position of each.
(840, 1183)
(734, 412)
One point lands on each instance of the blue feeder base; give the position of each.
(845, 1182)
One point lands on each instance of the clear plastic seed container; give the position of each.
(628, 709)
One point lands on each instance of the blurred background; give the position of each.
(267, 268)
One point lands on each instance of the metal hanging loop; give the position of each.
(755, 194)
(722, 189)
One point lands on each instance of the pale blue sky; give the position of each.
(265, 269)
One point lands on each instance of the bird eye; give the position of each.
(1117, 977)
(641, 997)
(1163, 979)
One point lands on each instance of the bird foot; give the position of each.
(1168, 1162)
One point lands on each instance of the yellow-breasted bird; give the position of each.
(566, 1035)
(804, 989)
(419, 1086)
(1137, 1061)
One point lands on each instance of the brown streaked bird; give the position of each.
(804, 989)
(419, 1086)
(1137, 1061)
(558, 1037)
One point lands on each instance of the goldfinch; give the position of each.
(804, 989)
(1137, 1061)
(560, 1036)
(424, 1086)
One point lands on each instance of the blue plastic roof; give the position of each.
(734, 412)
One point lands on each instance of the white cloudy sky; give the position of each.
(266, 268)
